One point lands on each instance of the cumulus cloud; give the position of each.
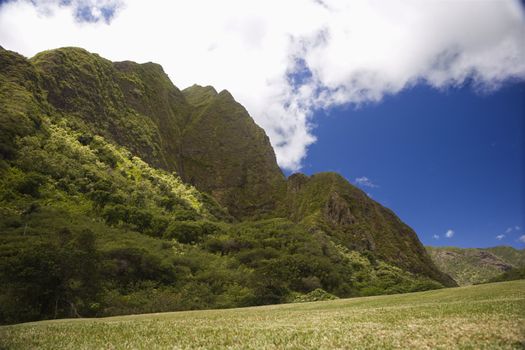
(286, 59)
(435, 236)
(522, 239)
(500, 237)
(512, 228)
(449, 233)
(365, 182)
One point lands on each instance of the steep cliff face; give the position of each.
(135, 105)
(225, 153)
(329, 203)
(22, 97)
(206, 137)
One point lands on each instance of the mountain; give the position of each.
(329, 203)
(206, 137)
(226, 154)
(120, 193)
(476, 265)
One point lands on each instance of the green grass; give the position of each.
(475, 317)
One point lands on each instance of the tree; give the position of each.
(59, 277)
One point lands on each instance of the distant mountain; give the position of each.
(516, 273)
(120, 193)
(476, 265)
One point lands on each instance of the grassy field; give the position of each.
(490, 316)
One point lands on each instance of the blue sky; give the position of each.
(423, 141)
(442, 160)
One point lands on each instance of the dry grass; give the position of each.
(476, 317)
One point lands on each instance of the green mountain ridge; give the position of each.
(476, 265)
(137, 106)
(120, 193)
(329, 203)
(226, 154)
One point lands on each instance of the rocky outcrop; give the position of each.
(337, 212)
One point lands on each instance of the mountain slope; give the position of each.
(513, 256)
(99, 215)
(329, 203)
(476, 265)
(226, 154)
(211, 143)
(134, 105)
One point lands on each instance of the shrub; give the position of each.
(30, 184)
(315, 295)
(190, 232)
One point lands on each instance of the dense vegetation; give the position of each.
(478, 265)
(489, 316)
(95, 219)
(516, 273)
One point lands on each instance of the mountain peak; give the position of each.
(197, 87)
(198, 95)
(227, 94)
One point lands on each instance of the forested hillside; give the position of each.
(121, 194)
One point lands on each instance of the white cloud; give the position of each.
(356, 51)
(449, 233)
(435, 236)
(500, 237)
(514, 228)
(522, 239)
(365, 182)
